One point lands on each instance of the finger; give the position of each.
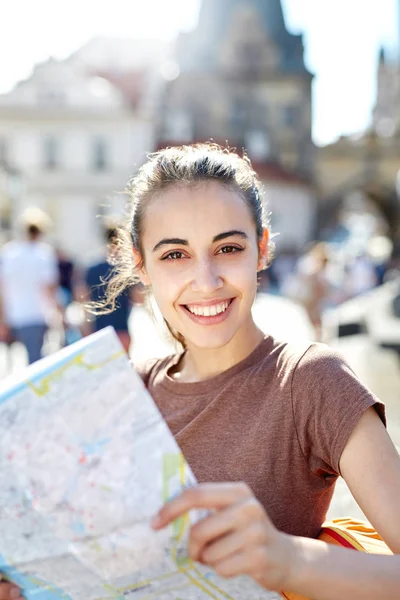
(215, 526)
(212, 496)
(9, 591)
(222, 549)
(240, 563)
(231, 544)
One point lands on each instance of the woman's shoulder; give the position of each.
(149, 369)
(304, 362)
(319, 358)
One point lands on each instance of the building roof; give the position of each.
(130, 83)
(269, 171)
(120, 54)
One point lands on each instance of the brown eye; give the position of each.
(175, 255)
(229, 249)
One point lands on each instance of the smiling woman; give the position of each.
(267, 426)
(210, 275)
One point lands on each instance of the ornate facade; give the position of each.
(243, 82)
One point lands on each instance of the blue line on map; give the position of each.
(37, 376)
(44, 590)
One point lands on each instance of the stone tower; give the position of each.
(243, 81)
(386, 116)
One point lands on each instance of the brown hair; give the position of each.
(180, 166)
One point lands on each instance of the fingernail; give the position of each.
(156, 522)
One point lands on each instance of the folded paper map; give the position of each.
(86, 460)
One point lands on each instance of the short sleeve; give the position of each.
(145, 369)
(328, 401)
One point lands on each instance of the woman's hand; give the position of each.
(237, 538)
(9, 591)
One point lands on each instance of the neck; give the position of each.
(202, 363)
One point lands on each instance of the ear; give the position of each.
(263, 250)
(141, 271)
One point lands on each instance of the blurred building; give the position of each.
(358, 173)
(240, 78)
(77, 129)
(71, 136)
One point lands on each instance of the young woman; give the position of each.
(266, 426)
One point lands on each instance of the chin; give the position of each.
(211, 341)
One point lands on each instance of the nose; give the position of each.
(206, 278)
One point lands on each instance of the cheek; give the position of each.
(242, 273)
(166, 285)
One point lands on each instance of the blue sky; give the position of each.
(342, 42)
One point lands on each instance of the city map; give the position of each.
(86, 460)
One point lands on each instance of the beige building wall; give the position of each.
(75, 118)
(349, 160)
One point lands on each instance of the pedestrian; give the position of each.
(266, 426)
(68, 278)
(95, 283)
(28, 285)
(66, 271)
(361, 276)
(310, 285)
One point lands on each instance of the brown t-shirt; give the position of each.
(278, 420)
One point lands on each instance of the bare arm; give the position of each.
(238, 538)
(82, 295)
(370, 466)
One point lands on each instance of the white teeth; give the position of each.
(208, 311)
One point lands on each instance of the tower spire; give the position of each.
(214, 19)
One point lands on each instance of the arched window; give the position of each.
(99, 154)
(50, 152)
(3, 151)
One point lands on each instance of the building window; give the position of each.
(290, 115)
(248, 57)
(99, 150)
(50, 153)
(239, 113)
(51, 97)
(3, 151)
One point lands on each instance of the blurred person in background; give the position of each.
(361, 275)
(310, 285)
(94, 289)
(66, 271)
(380, 249)
(69, 276)
(28, 286)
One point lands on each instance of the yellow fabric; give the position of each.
(350, 534)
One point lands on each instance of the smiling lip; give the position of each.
(209, 319)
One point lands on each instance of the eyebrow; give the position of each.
(217, 238)
(227, 234)
(169, 242)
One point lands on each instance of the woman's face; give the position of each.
(201, 257)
